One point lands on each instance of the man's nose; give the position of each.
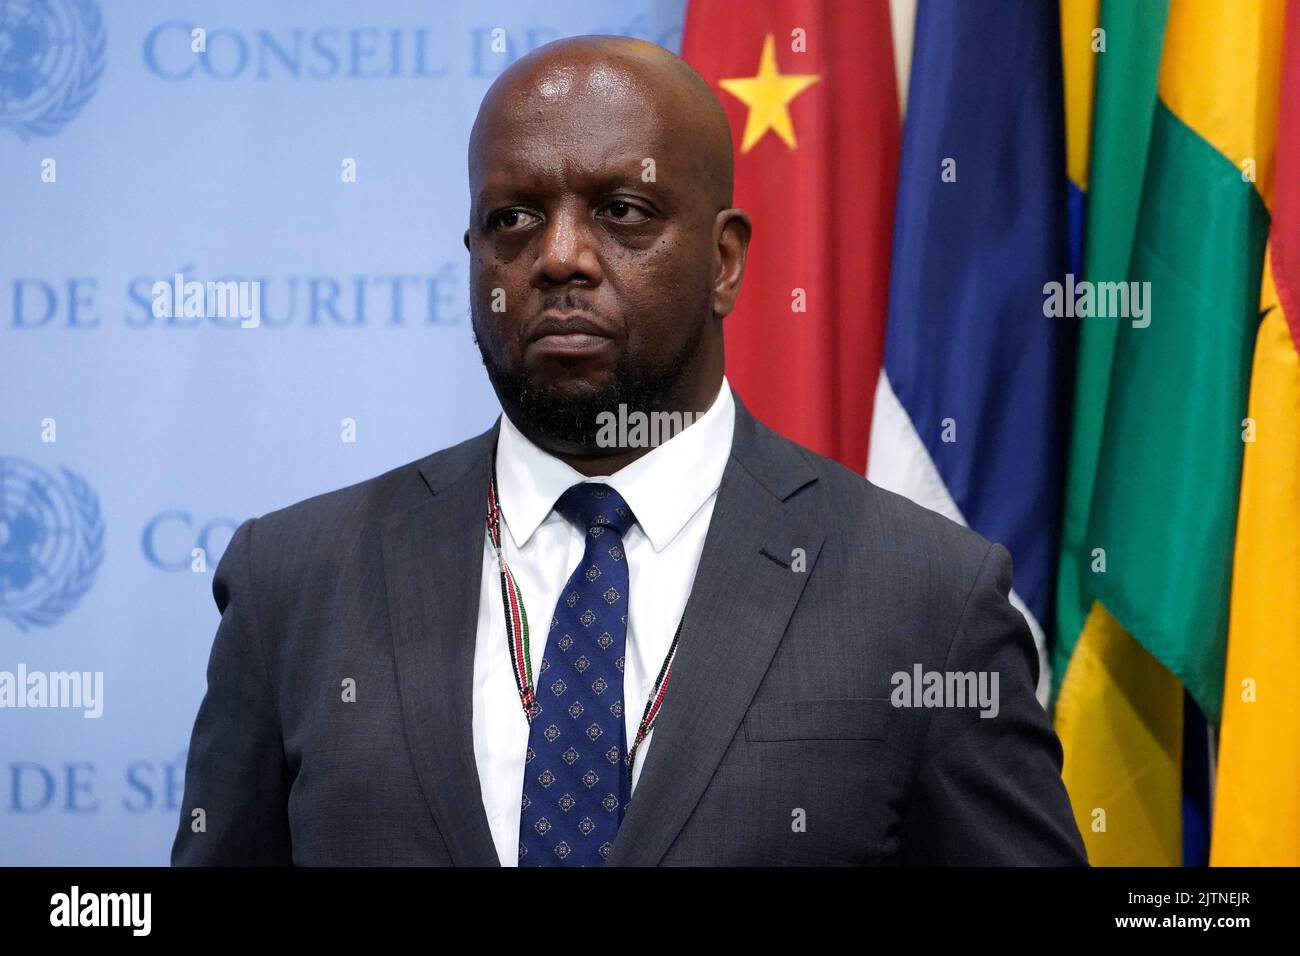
(567, 252)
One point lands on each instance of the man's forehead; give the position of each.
(574, 134)
(586, 164)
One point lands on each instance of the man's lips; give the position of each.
(573, 323)
(572, 334)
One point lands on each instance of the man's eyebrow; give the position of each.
(513, 190)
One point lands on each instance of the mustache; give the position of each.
(569, 301)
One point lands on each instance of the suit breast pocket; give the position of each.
(826, 718)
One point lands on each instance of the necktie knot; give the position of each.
(591, 505)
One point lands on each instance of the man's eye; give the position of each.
(625, 212)
(511, 220)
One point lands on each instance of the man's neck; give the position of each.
(591, 466)
(591, 462)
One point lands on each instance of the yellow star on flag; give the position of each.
(768, 95)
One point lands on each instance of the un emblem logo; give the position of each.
(51, 543)
(51, 59)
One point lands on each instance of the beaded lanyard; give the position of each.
(512, 601)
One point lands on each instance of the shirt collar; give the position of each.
(664, 487)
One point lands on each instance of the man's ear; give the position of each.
(731, 232)
(467, 240)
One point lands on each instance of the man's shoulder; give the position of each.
(887, 555)
(365, 504)
(884, 522)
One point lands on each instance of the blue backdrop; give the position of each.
(128, 441)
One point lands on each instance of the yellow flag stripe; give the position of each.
(1220, 72)
(1079, 66)
(1120, 719)
(1257, 799)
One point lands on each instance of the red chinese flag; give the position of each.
(809, 88)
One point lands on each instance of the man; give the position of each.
(687, 652)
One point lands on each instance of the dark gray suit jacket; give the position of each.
(777, 742)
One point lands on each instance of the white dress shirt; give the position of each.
(671, 489)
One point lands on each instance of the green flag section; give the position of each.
(1165, 501)
(1123, 110)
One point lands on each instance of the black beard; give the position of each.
(570, 420)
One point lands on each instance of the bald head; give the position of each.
(581, 73)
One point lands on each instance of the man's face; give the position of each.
(591, 251)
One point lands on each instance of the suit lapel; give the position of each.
(742, 599)
(432, 565)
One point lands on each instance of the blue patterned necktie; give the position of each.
(575, 772)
